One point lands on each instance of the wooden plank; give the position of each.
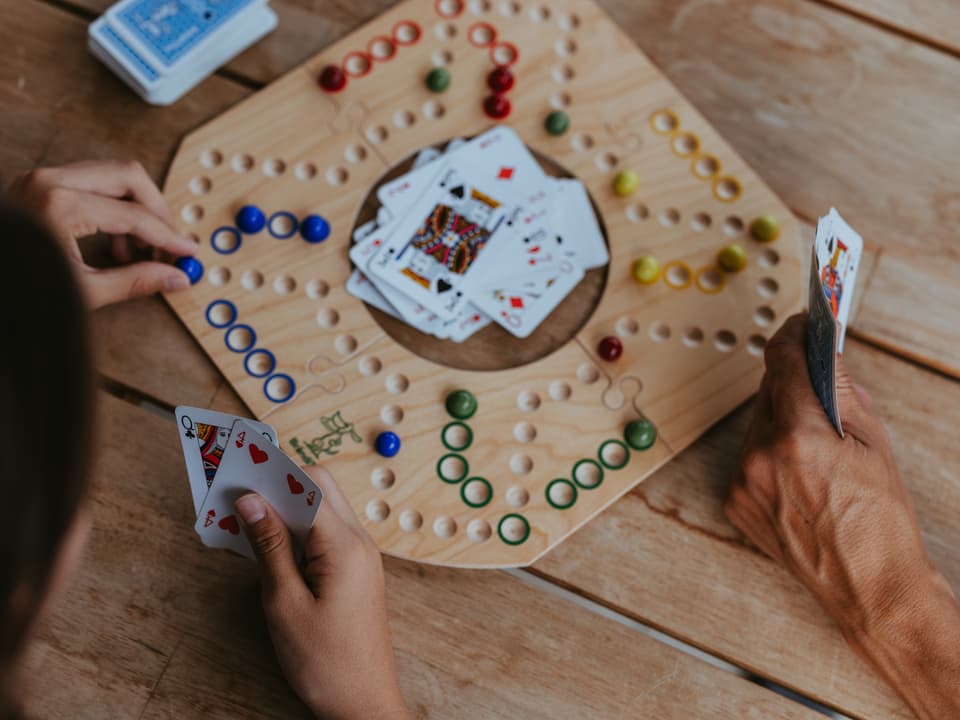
(157, 626)
(933, 21)
(666, 554)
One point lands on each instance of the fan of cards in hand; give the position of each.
(475, 234)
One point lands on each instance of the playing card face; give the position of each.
(838, 252)
(521, 307)
(578, 236)
(251, 464)
(360, 287)
(822, 340)
(203, 435)
(438, 251)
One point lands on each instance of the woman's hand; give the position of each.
(329, 622)
(119, 200)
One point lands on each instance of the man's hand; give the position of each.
(119, 200)
(328, 624)
(837, 515)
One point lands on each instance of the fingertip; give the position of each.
(251, 508)
(176, 281)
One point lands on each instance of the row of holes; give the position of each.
(508, 8)
(723, 340)
(282, 285)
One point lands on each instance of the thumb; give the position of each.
(853, 400)
(104, 287)
(270, 541)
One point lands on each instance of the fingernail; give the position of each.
(251, 509)
(191, 239)
(176, 282)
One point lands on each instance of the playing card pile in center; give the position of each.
(474, 235)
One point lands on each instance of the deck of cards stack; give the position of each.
(163, 48)
(833, 273)
(227, 457)
(476, 234)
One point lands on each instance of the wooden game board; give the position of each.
(692, 341)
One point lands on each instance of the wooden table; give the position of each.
(846, 102)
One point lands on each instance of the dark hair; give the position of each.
(45, 416)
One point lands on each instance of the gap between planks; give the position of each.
(536, 580)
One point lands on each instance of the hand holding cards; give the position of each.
(833, 273)
(475, 235)
(228, 457)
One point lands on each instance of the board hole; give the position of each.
(397, 384)
(480, 7)
(442, 58)
(369, 366)
(453, 468)
(685, 144)
(725, 340)
(481, 35)
(355, 154)
(305, 171)
(692, 336)
(382, 478)
(562, 493)
(225, 240)
(588, 374)
(406, 33)
(768, 287)
(200, 185)
(764, 316)
(445, 31)
(449, 8)
(252, 279)
(518, 496)
(337, 176)
(701, 221)
(345, 344)
(284, 285)
(528, 401)
(756, 344)
(560, 100)
(727, 189)
(382, 48)
(410, 521)
(327, 317)
(677, 276)
(520, 464)
(504, 54)
(565, 47)
(706, 166)
(588, 474)
(282, 225)
(433, 110)
(769, 258)
(221, 313)
(539, 13)
(279, 388)
(563, 73)
(317, 289)
(274, 167)
(664, 121)
(659, 332)
(514, 530)
(240, 338)
(732, 226)
(638, 212)
(560, 391)
(242, 163)
(404, 119)
(391, 414)
(669, 217)
(509, 7)
(260, 363)
(569, 23)
(211, 159)
(192, 214)
(377, 134)
(582, 142)
(377, 511)
(219, 276)
(626, 327)
(614, 455)
(709, 279)
(479, 530)
(444, 527)
(606, 161)
(524, 432)
(357, 64)
(476, 492)
(457, 436)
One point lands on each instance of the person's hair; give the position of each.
(46, 398)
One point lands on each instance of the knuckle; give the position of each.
(755, 465)
(139, 286)
(268, 541)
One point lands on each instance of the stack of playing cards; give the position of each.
(474, 235)
(833, 274)
(228, 457)
(162, 48)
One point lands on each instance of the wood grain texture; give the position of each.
(934, 21)
(157, 626)
(707, 582)
(306, 151)
(829, 110)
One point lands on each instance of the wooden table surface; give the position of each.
(834, 102)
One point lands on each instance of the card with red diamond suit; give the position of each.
(250, 463)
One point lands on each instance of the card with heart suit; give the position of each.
(203, 435)
(446, 243)
(251, 464)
